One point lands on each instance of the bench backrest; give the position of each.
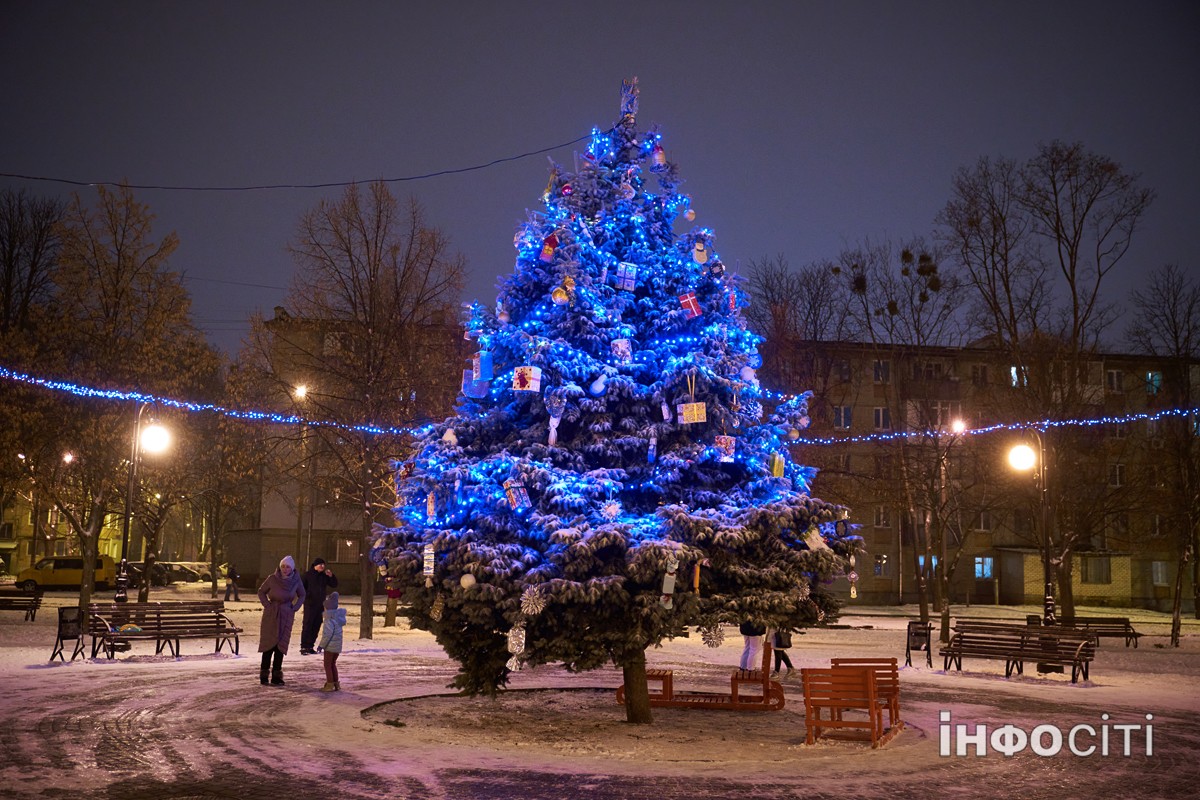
(999, 638)
(887, 672)
(172, 615)
(839, 684)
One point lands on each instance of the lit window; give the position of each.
(1159, 573)
(1153, 382)
(883, 568)
(983, 567)
(1095, 569)
(883, 519)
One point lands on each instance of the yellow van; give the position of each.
(65, 572)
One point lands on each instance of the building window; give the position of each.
(1119, 430)
(883, 466)
(842, 416)
(882, 372)
(979, 375)
(1095, 569)
(1116, 475)
(883, 518)
(6, 531)
(841, 370)
(1114, 380)
(1117, 530)
(883, 418)
(1153, 382)
(929, 370)
(983, 520)
(1158, 528)
(1019, 376)
(945, 412)
(883, 567)
(983, 567)
(1159, 572)
(921, 562)
(347, 551)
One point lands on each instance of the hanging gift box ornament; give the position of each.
(732, 301)
(623, 350)
(668, 585)
(726, 445)
(427, 568)
(626, 276)
(430, 506)
(690, 304)
(666, 412)
(699, 254)
(604, 274)
(775, 462)
(548, 245)
(472, 387)
(691, 413)
(481, 366)
(527, 379)
(518, 496)
(652, 450)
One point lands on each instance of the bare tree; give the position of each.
(372, 338)
(1167, 325)
(1038, 241)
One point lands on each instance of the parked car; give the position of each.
(177, 572)
(65, 572)
(202, 568)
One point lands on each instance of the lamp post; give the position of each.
(1023, 458)
(957, 428)
(154, 439)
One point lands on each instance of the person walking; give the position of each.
(332, 622)
(317, 582)
(753, 633)
(782, 640)
(281, 595)
(231, 579)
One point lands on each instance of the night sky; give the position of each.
(800, 128)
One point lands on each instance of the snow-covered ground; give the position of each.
(202, 726)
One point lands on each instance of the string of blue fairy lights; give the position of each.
(274, 418)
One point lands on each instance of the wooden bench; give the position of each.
(887, 682)
(1015, 644)
(766, 694)
(829, 694)
(17, 600)
(116, 626)
(1114, 627)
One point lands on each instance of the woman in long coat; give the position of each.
(281, 594)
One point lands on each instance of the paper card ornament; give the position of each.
(427, 570)
(604, 274)
(548, 245)
(652, 450)
(626, 276)
(690, 304)
(430, 506)
(732, 301)
(472, 387)
(775, 462)
(623, 350)
(812, 538)
(439, 606)
(726, 445)
(666, 412)
(518, 496)
(527, 379)
(481, 366)
(691, 413)
(668, 585)
(699, 254)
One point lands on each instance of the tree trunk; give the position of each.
(366, 569)
(1177, 601)
(1066, 592)
(637, 694)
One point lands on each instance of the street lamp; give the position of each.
(957, 428)
(154, 439)
(1023, 458)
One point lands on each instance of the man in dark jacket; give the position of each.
(317, 581)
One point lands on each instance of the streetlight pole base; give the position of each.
(122, 583)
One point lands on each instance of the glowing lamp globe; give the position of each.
(155, 438)
(1022, 458)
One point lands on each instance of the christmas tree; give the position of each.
(612, 474)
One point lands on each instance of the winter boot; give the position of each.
(277, 677)
(262, 676)
(337, 687)
(329, 686)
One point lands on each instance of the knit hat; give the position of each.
(289, 561)
(316, 561)
(331, 601)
